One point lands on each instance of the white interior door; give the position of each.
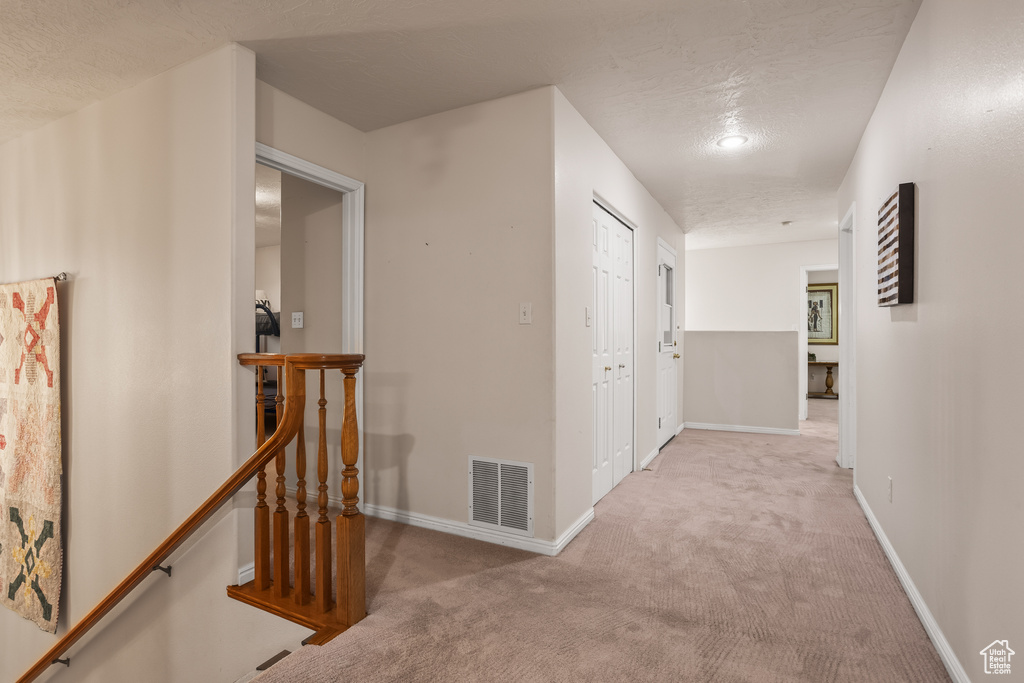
(622, 310)
(668, 354)
(612, 369)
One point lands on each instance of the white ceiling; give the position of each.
(660, 80)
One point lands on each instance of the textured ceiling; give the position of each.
(660, 80)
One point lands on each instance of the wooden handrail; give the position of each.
(250, 359)
(291, 421)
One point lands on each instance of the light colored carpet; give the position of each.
(740, 557)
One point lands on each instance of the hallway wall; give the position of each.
(144, 200)
(751, 288)
(459, 232)
(741, 380)
(584, 165)
(936, 411)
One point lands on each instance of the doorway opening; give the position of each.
(332, 205)
(818, 357)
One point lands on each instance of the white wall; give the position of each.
(936, 411)
(752, 288)
(741, 380)
(459, 231)
(268, 274)
(145, 200)
(585, 166)
(756, 288)
(292, 126)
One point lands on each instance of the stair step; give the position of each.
(326, 625)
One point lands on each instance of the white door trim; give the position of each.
(848, 340)
(802, 346)
(352, 229)
(667, 247)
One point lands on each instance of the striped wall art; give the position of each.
(896, 247)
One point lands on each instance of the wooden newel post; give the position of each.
(351, 523)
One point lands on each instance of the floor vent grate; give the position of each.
(501, 495)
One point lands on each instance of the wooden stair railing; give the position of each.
(336, 597)
(351, 602)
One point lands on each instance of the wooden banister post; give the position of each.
(351, 523)
(261, 514)
(281, 550)
(301, 522)
(324, 600)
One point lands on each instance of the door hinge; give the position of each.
(659, 423)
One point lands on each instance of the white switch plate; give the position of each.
(297, 320)
(590, 318)
(525, 313)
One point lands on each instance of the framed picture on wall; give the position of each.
(823, 314)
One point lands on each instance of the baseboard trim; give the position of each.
(741, 428)
(682, 426)
(448, 526)
(246, 573)
(953, 667)
(650, 456)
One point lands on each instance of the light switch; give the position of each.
(589, 317)
(297, 320)
(525, 313)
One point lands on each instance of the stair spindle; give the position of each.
(281, 550)
(323, 523)
(261, 514)
(351, 523)
(302, 592)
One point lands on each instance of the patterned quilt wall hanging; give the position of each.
(31, 558)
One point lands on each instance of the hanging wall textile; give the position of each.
(30, 453)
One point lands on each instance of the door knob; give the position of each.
(675, 355)
(607, 368)
(621, 365)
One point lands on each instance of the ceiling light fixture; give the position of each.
(732, 141)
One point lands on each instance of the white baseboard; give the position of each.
(740, 428)
(953, 667)
(246, 573)
(650, 456)
(449, 526)
(682, 426)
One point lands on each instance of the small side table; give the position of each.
(829, 380)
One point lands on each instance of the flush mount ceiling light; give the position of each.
(732, 141)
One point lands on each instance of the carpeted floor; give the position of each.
(739, 557)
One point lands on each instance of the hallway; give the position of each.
(738, 557)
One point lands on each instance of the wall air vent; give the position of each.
(501, 495)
